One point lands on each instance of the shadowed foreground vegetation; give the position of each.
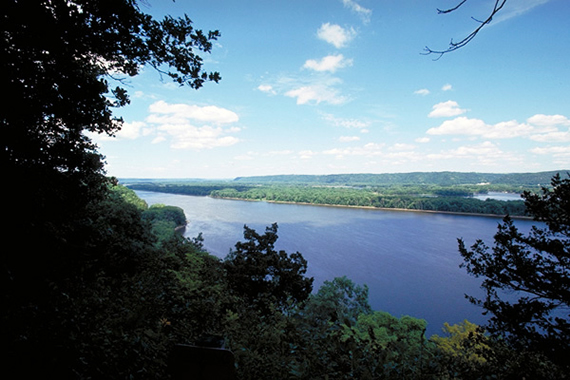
(150, 289)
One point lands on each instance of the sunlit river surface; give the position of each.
(409, 260)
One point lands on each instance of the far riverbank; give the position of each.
(375, 208)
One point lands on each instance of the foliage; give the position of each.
(425, 197)
(84, 290)
(397, 198)
(387, 347)
(263, 276)
(130, 196)
(527, 276)
(457, 342)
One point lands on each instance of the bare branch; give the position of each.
(440, 11)
(482, 23)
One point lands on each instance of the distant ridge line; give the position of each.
(442, 178)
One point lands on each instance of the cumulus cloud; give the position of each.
(306, 154)
(554, 136)
(212, 114)
(476, 127)
(446, 87)
(557, 151)
(446, 109)
(364, 13)
(335, 34)
(422, 91)
(192, 126)
(330, 63)
(542, 128)
(266, 88)
(129, 131)
(316, 93)
(548, 120)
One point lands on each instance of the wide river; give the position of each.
(409, 260)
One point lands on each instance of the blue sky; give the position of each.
(341, 86)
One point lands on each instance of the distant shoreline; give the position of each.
(373, 208)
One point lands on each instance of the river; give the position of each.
(409, 260)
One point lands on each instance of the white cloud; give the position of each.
(560, 151)
(446, 109)
(266, 88)
(178, 122)
(422, 140)
(335, 34)
(559, 155)
(446, 87)
(158, 139)
(503, 130)
(398, 147)
(548, 120)
(306, 154)
(555, 136)
(316, 93)
(245, 157)
(485, 153)
(348, 138)
(211, 114)
(364, 13)
(128, 131)
(347, 123)
(517, 8)
(368, 150)
(329, 63)
(422, 91)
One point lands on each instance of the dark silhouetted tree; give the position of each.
(527, 276)
(77, 282)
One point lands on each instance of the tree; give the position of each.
(59, 59)
(81, 279)
(527, 276)
(318, 349)
(265, 277)
(499, 4)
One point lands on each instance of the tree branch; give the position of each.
(482, 23)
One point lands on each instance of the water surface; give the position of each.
(409, 260)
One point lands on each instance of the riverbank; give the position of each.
(500, 216)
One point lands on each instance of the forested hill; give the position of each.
(415, 178)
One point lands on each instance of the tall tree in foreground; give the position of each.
(75, 266)
(527, 276)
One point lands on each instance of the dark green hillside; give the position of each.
(415, 178)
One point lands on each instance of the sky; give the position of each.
(343, 86)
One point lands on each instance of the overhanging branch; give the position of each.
(482, 23)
